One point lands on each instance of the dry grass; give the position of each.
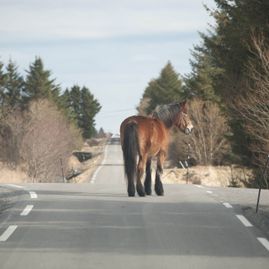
(8, 175)
(218, 176)
(88, 167)
(221, 176)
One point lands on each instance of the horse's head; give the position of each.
(174, 114)
(182, 120)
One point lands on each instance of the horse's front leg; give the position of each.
(147, 183)
(158, 183)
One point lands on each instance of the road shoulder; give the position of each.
(9, 196)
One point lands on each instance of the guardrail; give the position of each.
(82, 155)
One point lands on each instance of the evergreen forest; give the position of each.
(227, 89)
(40, 124)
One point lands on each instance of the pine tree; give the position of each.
(13, 86)
(228, 45)
(101, 133)
(2, 84)
(200, 82)
(167, 88)
(89, 108)
(66, 106)
(38, 83)
(75, 104)
(81, 108)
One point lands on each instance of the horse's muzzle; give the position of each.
(188, 131)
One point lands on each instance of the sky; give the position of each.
(113, 47)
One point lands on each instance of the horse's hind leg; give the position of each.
(140, 172)
(158, 184)
(147, 183)
(131, 188)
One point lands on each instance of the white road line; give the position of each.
(27, 210)
(8, 232)
(209, 192)
(16, 186)
(227, 205)
(244, 220)
(264, 242)
(95, 174)
(99, 168)
(33, 195)
(198, 186)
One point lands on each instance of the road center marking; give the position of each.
(244, 220)
(8, 232)
(209, 192)
(33, 195)
(227, 205)
(264, 242)
(198, 186)
(27, 210)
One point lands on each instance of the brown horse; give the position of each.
(147, 137)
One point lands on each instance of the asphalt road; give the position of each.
(96, 225)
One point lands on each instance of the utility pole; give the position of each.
(187, 163)
(260, 188)
(62, 169)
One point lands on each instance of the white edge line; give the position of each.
(95, 174)
(33, 195)
(15, 186)
(93, 178)
(8, 232)
(27, 210)
(244, 220)
(264, 242)
(227, 205)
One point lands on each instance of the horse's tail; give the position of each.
(130, 151)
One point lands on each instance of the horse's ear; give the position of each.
(183, 106)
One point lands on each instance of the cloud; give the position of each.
(114, 47)
(98, 19)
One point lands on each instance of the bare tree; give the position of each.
(49, 139)
(11, 133)
(254, 106)
(207, 144)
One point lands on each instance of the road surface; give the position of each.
(96, 225)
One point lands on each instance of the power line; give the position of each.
(120, 110)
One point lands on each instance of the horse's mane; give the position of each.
(167, 113)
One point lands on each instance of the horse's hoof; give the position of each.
(159, 191)
(141, 193)
(140, 190)
(148, 192)
(131, 191)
